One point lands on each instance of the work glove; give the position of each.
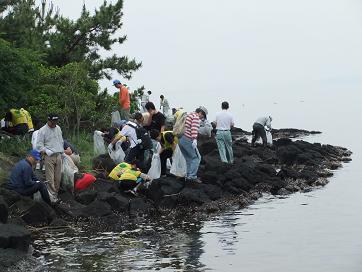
(37, 181)
(49, 152)
(194, 143)
(145, 177)
(139, 141)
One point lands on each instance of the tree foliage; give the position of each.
(50, 63)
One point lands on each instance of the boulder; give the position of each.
(15, 237)
(118, 203)
(86, 197)
(10, 196)
(4, 210)
(39, 213)
(164, 187)
(104, 163)
(95, 209)
(193, 194)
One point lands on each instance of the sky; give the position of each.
(258, 55)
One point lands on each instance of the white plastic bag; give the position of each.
(155, 170)
(68, 171)
(117, 154)
(269, 138)
(178, 167)
(98, 140)
(116, 117)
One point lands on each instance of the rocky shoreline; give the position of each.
(286, 167)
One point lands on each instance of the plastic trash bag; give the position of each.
(178, 167)
(155, 170)
(269, 138)
(117, 154)
(115, 117)
(168, 164)
(68, 171)
(99, 147)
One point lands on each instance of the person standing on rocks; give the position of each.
(168, 142)
(188, 143)
(164, 105)
(224, 123)
(157, 120)
(259, 129)
(124, 99)
(23, 180)
(50, 142)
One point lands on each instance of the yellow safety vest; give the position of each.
(29, 121)
(124, 171)
(18, 117)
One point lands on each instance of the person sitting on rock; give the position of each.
(23, 180)
(72, 152)
(168, 143)
(129, 177)
(259, 129)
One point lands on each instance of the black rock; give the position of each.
(14, 236)
(103, 163)
(39, 213)
(4, 210)
(118, 203)
(95, 209)
(10, 196)
(86, 197)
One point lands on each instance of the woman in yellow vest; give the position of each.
(168, 141)
(128, 175)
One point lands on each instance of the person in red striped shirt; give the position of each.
(188, 143)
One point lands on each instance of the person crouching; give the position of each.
(129, 177)
(23, 180)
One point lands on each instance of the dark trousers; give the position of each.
(37, 187)
(166, 153)
(136, 155)
(259, 131)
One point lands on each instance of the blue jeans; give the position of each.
(192, 157)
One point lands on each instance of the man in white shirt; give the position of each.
(259, 129)
(50, 143)
(224, 123)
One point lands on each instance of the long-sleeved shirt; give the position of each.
(22, 176)
(124, 99)
(264, 121)
(50, 139)
(192, 125)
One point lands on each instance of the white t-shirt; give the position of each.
(34, 138)
(224, 120)
(130, 132)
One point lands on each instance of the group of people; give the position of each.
(141, 136)
(184, 131)
(48, 147)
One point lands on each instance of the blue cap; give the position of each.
(116, 81)
(35, 154)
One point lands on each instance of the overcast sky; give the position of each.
(206, 51)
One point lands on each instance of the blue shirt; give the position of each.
(22, 175)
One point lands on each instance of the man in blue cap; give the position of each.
(23, 180)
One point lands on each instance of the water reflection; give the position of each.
(153, 245)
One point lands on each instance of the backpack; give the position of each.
(142, 134)
(179, 127)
